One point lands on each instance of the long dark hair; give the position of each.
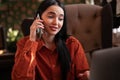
(60, 38)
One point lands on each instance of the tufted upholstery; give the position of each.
(91, 24)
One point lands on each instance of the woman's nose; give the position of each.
(55, 21)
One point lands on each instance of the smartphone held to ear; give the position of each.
(38, 30)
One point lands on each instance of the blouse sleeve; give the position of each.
(80, 60)
(24, 65)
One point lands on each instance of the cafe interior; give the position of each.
(95, 23)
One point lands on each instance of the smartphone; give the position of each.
(38, 30)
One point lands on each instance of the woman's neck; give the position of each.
(49, 41)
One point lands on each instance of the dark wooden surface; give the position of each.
(6, 64)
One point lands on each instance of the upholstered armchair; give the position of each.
(91, 24)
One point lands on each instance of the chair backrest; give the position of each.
(105, 64)
(25, 26)
(91, 24)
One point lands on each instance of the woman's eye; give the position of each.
(61, 19)
(50, 16)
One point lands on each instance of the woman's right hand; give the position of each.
(37, 23)
(84, 76)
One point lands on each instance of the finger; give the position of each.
(40, 25)
(39, 20)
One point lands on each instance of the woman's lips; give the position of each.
(53, 28)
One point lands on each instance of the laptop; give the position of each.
(105, 64)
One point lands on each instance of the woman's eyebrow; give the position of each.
(51, 12)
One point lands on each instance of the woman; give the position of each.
(54, 56)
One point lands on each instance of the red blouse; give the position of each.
(45, 66)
